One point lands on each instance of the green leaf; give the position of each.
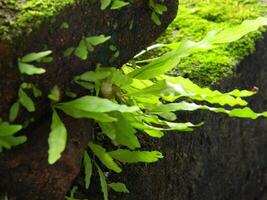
(4, 144)
(105, 4)
(92, 76)
(85, 85)
(103, 182)
(54, 94)
(35, 56)
(203, 94)
(159, 66)
(57, 139)
(120, 79)
(104, 157)
(30, 86)
(242, 93)
(48, 59)
(68, 51)
(108, 129)
(89, 46)
(127, 156)
(30, 69)
(245, 113)
(72, 194)
(36, 92)
(64, 25)
(119, 187)
(177, 87)
(13, 112)
(96, 105)
(236, 32)
(70, 94)
(87, 169)
(26, 101)
(162, 125)
(81, 50)
(117, 4)
(97, 40)
(102, 117)
(185, 106)
(8, 142)
(159, 8)
(125, 133)
(153, 133)
(171, 59)
(135, 123)
(155, 18)
(7, 129)
(112, 48)
(168, 116)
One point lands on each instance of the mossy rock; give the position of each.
(195, 19)
(23, 16)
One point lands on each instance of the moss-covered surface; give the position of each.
(19, 17)
(196, 18)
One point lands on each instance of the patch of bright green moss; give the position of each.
(196, 18)
(19, 17)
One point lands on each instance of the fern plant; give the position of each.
(130, 101)
(144, 99)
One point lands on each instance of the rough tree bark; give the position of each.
(24, 171)
(226, 159)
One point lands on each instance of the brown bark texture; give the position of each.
(226, 159)
(24, 171)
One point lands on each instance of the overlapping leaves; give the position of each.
(7, 135)
(133, 100)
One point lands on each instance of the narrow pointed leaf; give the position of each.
(57, 139)
(125, 133)
(97, 40)
(185, 106)
(236, 32)
(8, 142)
(87, 169)
(7, 129)
(119, 187)
(108, 129)
(92, 76)
(35, 56)
(13, 112)
(127, 156)
(26, 101)
(104, 157)
(117, 4)
(105, 4)
(103, 182)
(81, 50)
(96, 104)
(30, 69)
(102, 117)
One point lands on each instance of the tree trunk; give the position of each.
(24, 171)
(226, 159)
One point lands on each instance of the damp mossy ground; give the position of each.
(196, 18)
(20, 17)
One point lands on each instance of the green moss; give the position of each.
(19, 17)
(196, 18)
